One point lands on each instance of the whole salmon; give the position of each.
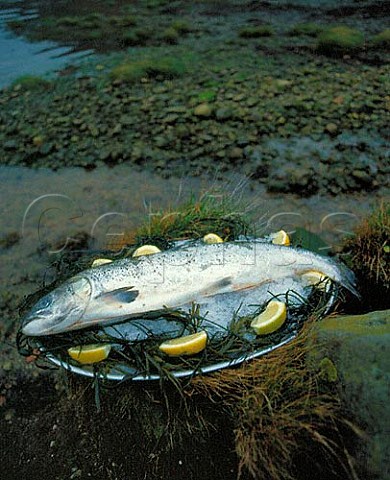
(221, 278)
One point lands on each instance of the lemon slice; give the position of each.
(317, 279)
(271, 319)
(280, 238)
(188, 345)
(89, 353)
(146, 250)
(212, 238)
(100, 261)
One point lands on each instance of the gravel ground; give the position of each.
(271, 107)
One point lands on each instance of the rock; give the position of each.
(252, 101)
(239, 98)
(358, 346)
(182, 131)
(331, 128)
(203, 110)
(224, 113)
(293, 179)
(38, 140)
(170, 118)
(235, 153)
(10, 145)
(161, 141)
(258, 167)
(46, 148)
(362, 177)
(339, 100)
(280, 83)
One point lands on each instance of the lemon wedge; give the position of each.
(317, 279)
(146, 250)
(212, 238)
(271, 319)
(89, 353)
(100, 261)
(280, 238)
(188, 345)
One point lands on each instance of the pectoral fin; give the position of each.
(121, 295)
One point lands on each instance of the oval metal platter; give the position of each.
(124, 372)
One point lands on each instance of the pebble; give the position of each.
(203, 110)
(163, 121)
(236, 153)
(224, 113)
(331, 128)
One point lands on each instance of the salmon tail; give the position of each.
(348, 279)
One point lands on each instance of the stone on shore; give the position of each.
(358, 346)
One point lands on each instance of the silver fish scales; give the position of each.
(221, 278)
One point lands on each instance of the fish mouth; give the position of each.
(35, 327)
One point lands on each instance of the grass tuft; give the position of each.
(340, 40)
(283, 412)
(381, 40)
(181, 26)
(256, 32)
(310, 29)
(368, 254)
(194, 219)
(170, 35)
(163, 68)
(30, 82)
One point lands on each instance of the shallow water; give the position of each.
(20, 57)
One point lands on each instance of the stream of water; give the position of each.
(20, 57)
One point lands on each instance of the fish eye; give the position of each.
(45, 302)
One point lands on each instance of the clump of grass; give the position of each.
(340, 40)
(207, 96)
(181, 26)
(170, 35)
(69, 22)
(136, 37)
(381, 40)
(196, 218)
(310, 29)
(282, 413)
(16, 24)
(163, 68)
(368, 253)
(127, 21)
(88, 22)
(30, 82)
(256, 32)
(151, 4)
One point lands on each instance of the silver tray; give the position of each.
(124, 372)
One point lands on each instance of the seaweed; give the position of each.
(142, 359)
